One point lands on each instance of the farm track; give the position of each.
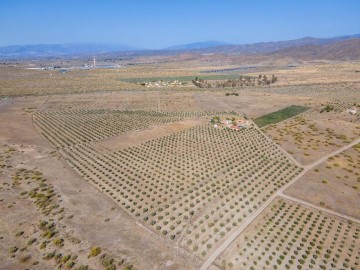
(279, 193)
(331, 212)
(4, 101)
(43, 105)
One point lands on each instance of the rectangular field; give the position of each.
(278, 116)
(334, 184)
(313, 135)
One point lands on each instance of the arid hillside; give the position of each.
(342, 50)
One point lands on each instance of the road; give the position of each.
(279, 193)
(324, 158)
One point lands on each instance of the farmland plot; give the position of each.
(194, 186)
(312, 135)
(338, 92)
(334, 184)
(65, 128)
(290, 236)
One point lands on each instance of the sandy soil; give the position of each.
(122, 141)
(312, 134)
(253, 104)
(334, 184)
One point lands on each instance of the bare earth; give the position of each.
(135, 138)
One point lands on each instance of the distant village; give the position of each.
(87, 66)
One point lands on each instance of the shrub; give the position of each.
(106, 260)
(70, 264)
(66, 258)
(13, 249)
(49, 255)
(94, 252)
(58, 242)
(25, 258)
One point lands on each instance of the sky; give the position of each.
(158, 24)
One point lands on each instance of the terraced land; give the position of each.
(290, 236)
(194, 187)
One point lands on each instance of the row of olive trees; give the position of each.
(241, 81)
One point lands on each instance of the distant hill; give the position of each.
(47, 50)
(268, 47)
(348, 49)
(297, 47)
(197, 45)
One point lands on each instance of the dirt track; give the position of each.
(279, 193)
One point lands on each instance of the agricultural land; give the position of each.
(180, 162)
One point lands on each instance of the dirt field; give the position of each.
(252, 103)
(312, 135)
(334, 184)
(317, 74)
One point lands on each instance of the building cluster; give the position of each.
(231, 123)
(162, 83)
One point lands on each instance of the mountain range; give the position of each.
(341, 47)
(268, 47)
(198, 45)
(55, 50)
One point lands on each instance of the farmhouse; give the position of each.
(233, 123)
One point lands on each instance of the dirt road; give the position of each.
(290, 198)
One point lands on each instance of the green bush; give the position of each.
(13, 249)
(106, 260)
(94, 252)
(58, 242)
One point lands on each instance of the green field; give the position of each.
(182, 78)
(278, 116)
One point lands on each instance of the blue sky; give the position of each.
(158, 24)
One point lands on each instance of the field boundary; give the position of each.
(280, 115)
